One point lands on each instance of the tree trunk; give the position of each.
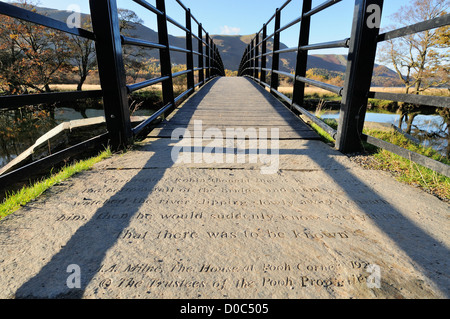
(410, 121)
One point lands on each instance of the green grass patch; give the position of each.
(403, 169)
(16, 200)
(407, 171)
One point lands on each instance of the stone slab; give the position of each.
(177, 232)
(145, 224)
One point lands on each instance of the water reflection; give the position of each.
(19, 129)
(432, 130)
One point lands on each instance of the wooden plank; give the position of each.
(235, 103)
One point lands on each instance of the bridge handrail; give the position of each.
(362, 46)
(114, 90)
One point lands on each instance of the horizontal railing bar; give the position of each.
(16, 101)
(148, 6)
(284, 5)
(139, 128)
(196, 21)
(327, 45)
(135, 87)
(196, 53)
(281, 8)
(177, 24)
(425, 161)
(415, 28)
(179, 97)
(182, 5)
(177, 74)
(332, 132)
(178, 49)
(271, 18)
(267, 53)
(290, 75)
(33, 17)
(429, 100)
(328, 87)
(26, 171)
(268, 37)
(199, 83)
(281, 95)
(264, 83)
(321, 7)
(187, 9)
(142, 43)
(287, 50)
(290, 24)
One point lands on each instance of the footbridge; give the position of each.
(227, 192)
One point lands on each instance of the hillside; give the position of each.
(231, 48)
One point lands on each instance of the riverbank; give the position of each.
(403, 170)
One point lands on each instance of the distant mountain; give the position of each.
(231, 48)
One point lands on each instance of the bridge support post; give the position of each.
(264, 57)
(164, 54)
(252, 57)
(208, 53)
(276, 56)
(298, 95)
(190, 55)
(105, 23)
(361, 60)
(201, 57)
(256, 61)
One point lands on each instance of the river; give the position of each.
(430, 129)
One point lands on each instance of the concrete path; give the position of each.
(177, 218)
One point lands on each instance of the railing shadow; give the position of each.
(90, 243)
(423, 249)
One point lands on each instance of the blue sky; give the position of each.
(247, 16)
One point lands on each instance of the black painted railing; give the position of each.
(362, 46)
(114, 90)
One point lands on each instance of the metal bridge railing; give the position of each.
(362, 46)
(114, 90)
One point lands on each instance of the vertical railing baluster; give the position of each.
(190, 55)
(105, 23)
(256, 63)
(252, 56)
(361, 60)
(264, 57)
(164, 55)
(211, 56)
(208, 52)
(276, 56)
(214, 55)
(201, 74)
(298, 95)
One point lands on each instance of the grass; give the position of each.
(407, 171)
(403, 169)
(16, 200)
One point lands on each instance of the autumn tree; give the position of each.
(133, 56)
(83, 53)
(421, 60)
(30, 55)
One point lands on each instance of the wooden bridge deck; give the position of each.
(236, 103)
(143, 226)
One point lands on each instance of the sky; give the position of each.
(248, 16)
